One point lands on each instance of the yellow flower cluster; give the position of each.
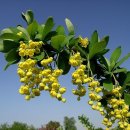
(84, 42)
(78, 77)
(94, 95)
(117, 109)
(30, 48)
(75, 60)
(28, 73)
(36, 79)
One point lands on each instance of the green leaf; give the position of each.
(32, 29)
(120, 70)
(104, 62)
(108, 84)
(10, 63)
(127, 98)
(57, 42)
(25, 33)
(94, 38)
(40, 56)
(40, 31)
(10, 30)
(106, 39)
(103, 52)
(126, 79)
(1, 46)
(96, 48)
(112, 64)
(12, 55)
(73, 41)
(7, 45)
(50, 35)
(108, 64)
(48, 27)
(122, 60)
(10, 36)
(70, 26)
(28, 16)
(115, 55)
(60, 30)
(63, 62)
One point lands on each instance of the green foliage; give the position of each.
(69, 123)
(16, 126)
(86, 123)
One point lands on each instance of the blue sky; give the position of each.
(107, 17)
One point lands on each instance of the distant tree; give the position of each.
(19, 126)
(16, 126)
(4, 126)
(69, 123)
(85, 121)
(31, 127)
(60, 128)
(98, 129)
(52, 125)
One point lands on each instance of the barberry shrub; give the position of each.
(44, 52)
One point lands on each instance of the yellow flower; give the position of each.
(63, 100)
(53, 93)
(62, 90)
(27, 97)
(84, 42)
(36, 92)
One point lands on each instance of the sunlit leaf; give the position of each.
(12, 55)
(10, 36)
(120, 70)
(60, 30)
(24, 32)
(32, 29)
(96, 48)
(127, 98)
(108, 84)
(70, 26)
(57, 42)
(48, 27)
(122, 60)
(94, 38)
(28, 16)
(115, 55)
